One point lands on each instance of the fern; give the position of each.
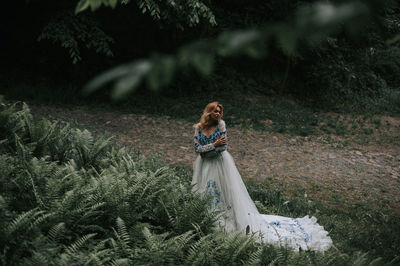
(22, 220)
(120, 262)
(37, 259)
(59, 145)
(74, 248)
(39, 220)
(27, 121)
(254, 258)
(56, 231)
(122, 246)
(35, 192)
(99, 148)
(281, 256)
(200, 246)
(243, 245)
(183, 210)
(24, 152)
(42, 134)
(11, 123)
(122, 234)
(99, 257)
(87, 152)
(394, 261)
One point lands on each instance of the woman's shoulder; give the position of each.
(221, 125)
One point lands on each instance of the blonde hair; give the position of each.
(205, 120)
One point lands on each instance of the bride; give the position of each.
(216, 175)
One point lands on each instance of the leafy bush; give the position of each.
(387, 64)
(338, 78)
(72, 32)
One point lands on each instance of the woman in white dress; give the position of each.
(215, 174)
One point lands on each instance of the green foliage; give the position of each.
(386, 62)
(328, 60)
(73, 32)
(180, 13)
(337, 78)
(76, 31)
(308, 50)
(94, 4)
(312, 23)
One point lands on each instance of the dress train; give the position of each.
(219, 177)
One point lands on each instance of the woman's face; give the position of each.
(216, 113)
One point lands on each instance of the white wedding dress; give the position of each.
(215, 174)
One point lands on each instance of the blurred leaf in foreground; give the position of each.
(311, 23)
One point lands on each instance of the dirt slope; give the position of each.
(318, 167)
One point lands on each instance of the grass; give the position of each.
(274, 114)
(248, 102)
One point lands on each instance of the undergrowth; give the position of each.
(67, 198)
(249, 101)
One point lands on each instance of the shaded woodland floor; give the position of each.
(343, 171)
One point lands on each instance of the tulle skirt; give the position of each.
(220, 178)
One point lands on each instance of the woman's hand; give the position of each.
(220, 141)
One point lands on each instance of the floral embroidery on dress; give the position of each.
(290, 226)
(306, 236)
(216, 201)
(212, 190)
(202, 143)
(277, 224)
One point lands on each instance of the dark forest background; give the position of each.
(48, 51)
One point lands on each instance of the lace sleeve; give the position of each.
(197, 146)
(222, 132)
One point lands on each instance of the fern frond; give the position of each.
(35, 191)
(120, 262)
(184, 239)
(99, 257)
(281, 255)
(23, 151)
(123, 233)
(361, 258)
(98, 148)
(395, 261)
(56, 231)
(93, 257)
(27, 119)
(74, 247)
(114, 244)
(3, 141)
(22, 220)
(274, 262)
(255, 257)
(376, 262)
(197, 248)
(39, 220)
(37, 259)
(329, 259)
(242, 244)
